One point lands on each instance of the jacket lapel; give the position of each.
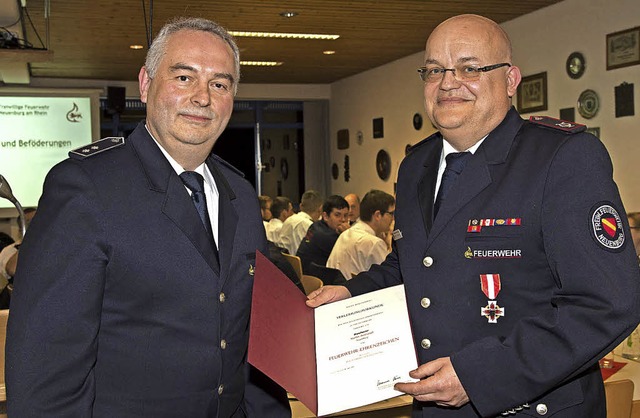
(179, 208)
(474, 178)
(477, 174)
(427, 183)
(227, 218)
(177, 204)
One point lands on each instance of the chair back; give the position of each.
(4, 316)
(328, 275)
(310, 283)
(295, 262)
(619, 398)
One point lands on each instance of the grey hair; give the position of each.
(158, 46)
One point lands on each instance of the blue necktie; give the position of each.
(455, 163)
(195, 183)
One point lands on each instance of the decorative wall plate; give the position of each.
(417, 121)
(335, 171)
(284, 168)
(575, 65)
(359, 137)
(383, 164)
(588, 104)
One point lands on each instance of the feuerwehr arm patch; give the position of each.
(97, 147)
(606, 226)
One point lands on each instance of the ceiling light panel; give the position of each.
(282, 35)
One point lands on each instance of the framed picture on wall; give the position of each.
(594, 131)
(623, 48)
(532, 93)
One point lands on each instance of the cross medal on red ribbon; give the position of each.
(490, 284)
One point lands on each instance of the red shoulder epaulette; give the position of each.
(562, 125)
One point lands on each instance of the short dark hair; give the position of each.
(375, 200)
(279, 204)
(5, 240)
(310, 201)
(334, 202)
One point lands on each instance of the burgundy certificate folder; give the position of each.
(339, 356)
(282, 340)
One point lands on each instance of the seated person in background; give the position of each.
(354, 207)
(634, 225)
(322, 235)
(7, 270)
(7, 250)
(281, 209)
(361, 245)
(295, 227)
(9, 260)
(5, 240)
(265, 209)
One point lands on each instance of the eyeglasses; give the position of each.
(461, 72)
(392, 213)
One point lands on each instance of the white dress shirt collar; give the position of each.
(447, 149)
(210, 189)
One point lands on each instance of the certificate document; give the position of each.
(364, 346)
(339, 356)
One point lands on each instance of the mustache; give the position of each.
(197, 114)
(446, 97)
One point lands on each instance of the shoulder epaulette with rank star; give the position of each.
(559, 124)
(102, 145)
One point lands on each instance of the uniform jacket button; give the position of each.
(222, 297)
(223, 344)
(425, 302)
(541, 409)
(425, 343)
(427, 261)
(220, 389)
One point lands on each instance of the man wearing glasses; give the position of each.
(511, 242)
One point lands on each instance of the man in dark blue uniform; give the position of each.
(526, 275)
(322, 235)
(133, 290)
